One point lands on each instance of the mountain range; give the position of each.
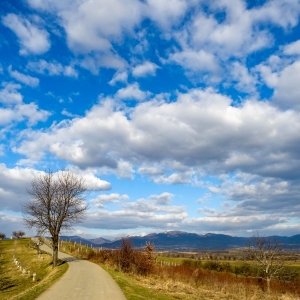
(184, 241)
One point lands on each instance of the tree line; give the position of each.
(16, 234)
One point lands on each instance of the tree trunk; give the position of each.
(55, 252)
(268, 284)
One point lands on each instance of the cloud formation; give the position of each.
(145, 69)
(175, 101)
(32, 39)
(26, 79)
(51, 68)
(211, 134)
(14, 110)
(111, 198)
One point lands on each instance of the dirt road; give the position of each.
(83, 280)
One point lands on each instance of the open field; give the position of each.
(16, 285)
(228, 255)
(188, 279)
(201, 263)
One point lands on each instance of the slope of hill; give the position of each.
(99, 241)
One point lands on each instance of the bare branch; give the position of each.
(268, 255)
(58, 202)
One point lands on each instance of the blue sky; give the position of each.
(179, 114)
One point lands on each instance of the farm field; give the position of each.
(170, 259)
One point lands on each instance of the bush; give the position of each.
(192, 263)
(144, 262)
(126, 259)
(287, 275)
(244, 270)
(217, 266)
(18, 234)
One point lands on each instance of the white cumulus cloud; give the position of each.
(132, 92)
(32, 39)
(26, 79)
(10, 94)
(51, 68)
(146, 69)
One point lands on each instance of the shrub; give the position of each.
(244, 270)
(145, 261)
(126, 259)
(192, 263)
(18, 234)
(216, 266)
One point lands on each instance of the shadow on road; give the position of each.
(69, 259)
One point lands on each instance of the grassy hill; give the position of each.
(14, 284)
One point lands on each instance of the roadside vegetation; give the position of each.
(142, 274)
(19, 285)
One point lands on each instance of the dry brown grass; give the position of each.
(215, 285)
(179, 289)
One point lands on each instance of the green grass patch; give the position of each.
(16, 285)
(177, 260)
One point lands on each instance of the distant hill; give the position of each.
(99, 241)
(184, 241)
(292, 242)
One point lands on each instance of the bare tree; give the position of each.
(15, 234)
(268, 255)
(2, 236)
(36, 243)
(21, 233)
(57, 203)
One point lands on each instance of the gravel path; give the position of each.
(83, 280)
